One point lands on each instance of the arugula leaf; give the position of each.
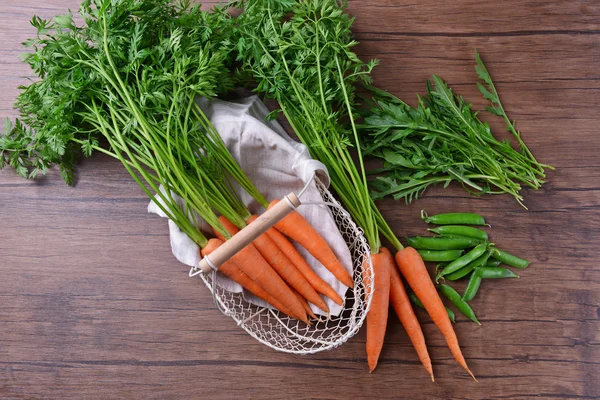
(496, 108)
(396, 159)
(443, 140)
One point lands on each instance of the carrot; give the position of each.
(296, 227)
(401, 305)
(254, 265)
(378, 313)
(413, 269)
(232, 271)
(307, 308)
(296, 258)
(282, 265)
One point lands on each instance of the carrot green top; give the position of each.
(300, 54)
(130, 73)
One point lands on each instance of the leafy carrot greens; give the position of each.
(300, 54)
(130, 75)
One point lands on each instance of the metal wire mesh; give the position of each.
(286, 334)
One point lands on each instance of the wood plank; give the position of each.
(93, 304)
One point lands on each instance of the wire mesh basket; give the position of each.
(280, 332)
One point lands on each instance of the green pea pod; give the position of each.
(461, 273)
(467, 231)
(464, 260)
(458, 302)
(451, 315)
(492, 263)
(413, 297)
(476, 241)
(466, 270)
(496, 273)
(453, 219)
(472, 286)
(439, 243)
(509, 259)
(440, 255)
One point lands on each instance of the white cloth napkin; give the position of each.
(277, 165)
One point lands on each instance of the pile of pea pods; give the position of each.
(462, 251)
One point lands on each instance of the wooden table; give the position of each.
(93, 304)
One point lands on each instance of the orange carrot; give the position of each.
(254, 265)
(401, 305)
(378, 313)
(282, 265)
(296, 258)
(307, 308)
(413, 268)
(232, 271)
(296, 227)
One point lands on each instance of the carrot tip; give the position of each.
(432, 378)
(372, 366)
(472, 376)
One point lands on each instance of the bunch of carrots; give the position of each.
(272, 269)
(390, 290)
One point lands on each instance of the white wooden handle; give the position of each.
(249, 233)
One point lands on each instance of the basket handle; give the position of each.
(249, 233)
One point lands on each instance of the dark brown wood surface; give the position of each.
(93, 304)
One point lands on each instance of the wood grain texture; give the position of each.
(93, 304)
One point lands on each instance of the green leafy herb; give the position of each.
(443, 140)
